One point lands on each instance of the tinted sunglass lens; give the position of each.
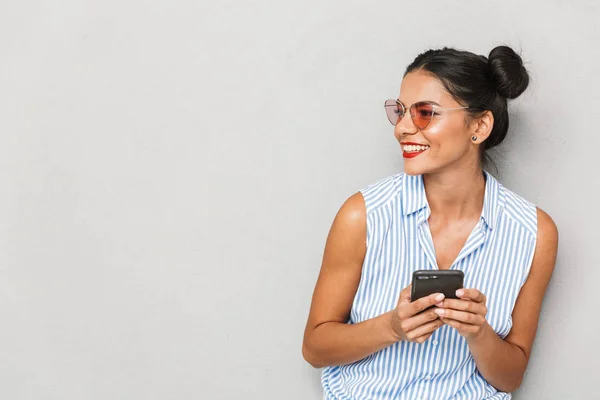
(393, 111)
(421, 114)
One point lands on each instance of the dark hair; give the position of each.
(479, 82)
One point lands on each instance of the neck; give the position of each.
(456, 194)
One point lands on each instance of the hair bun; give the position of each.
(507, 71)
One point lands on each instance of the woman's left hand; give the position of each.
(466, 314)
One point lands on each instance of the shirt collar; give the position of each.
(415, 199)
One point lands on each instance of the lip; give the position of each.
(412, 154)
(413, 144)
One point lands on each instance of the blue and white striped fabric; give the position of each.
(495, 259)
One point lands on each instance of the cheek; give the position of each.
(447, 138)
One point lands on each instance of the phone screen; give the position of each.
(426, 282)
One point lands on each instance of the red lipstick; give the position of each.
(412, 154)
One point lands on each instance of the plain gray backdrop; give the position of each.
(170, 170)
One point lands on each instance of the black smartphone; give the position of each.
(426, 282)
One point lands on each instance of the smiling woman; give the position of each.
(443, 212)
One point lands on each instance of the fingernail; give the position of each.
(439, 311)
(460, 292)
(439, 297)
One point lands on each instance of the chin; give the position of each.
(412, 168)
(425, 166)
(412, 172)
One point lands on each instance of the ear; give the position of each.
(481, 127)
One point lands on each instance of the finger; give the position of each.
(461, 326)
(471, 294)
(423, 338)
(423, 303)
(424, 330)
(405, 295)
(461, 316)
(422, 318)
(463, 305)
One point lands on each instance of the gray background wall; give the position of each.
(169, 172)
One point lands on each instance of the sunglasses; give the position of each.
(421, 112)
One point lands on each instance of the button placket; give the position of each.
(436, 347)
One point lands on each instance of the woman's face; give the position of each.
(447, 137)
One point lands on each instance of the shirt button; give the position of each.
(428, 377)
(435, 342)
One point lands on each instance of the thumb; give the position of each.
(405, 295)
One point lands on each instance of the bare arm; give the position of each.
(503, 362)
(328, 339)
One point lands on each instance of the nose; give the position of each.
(405, 127)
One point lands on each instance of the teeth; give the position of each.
(413, 148)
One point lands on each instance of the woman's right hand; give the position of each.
(410, 323)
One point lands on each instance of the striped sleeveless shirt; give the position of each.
(496, 259)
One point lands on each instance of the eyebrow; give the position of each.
(428, 101)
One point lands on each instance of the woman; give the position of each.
(444, 212)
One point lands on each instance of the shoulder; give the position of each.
(382, 191)
(547, 232)
(544, 257)
(349, 228)
(352, 212)
(352, 215)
